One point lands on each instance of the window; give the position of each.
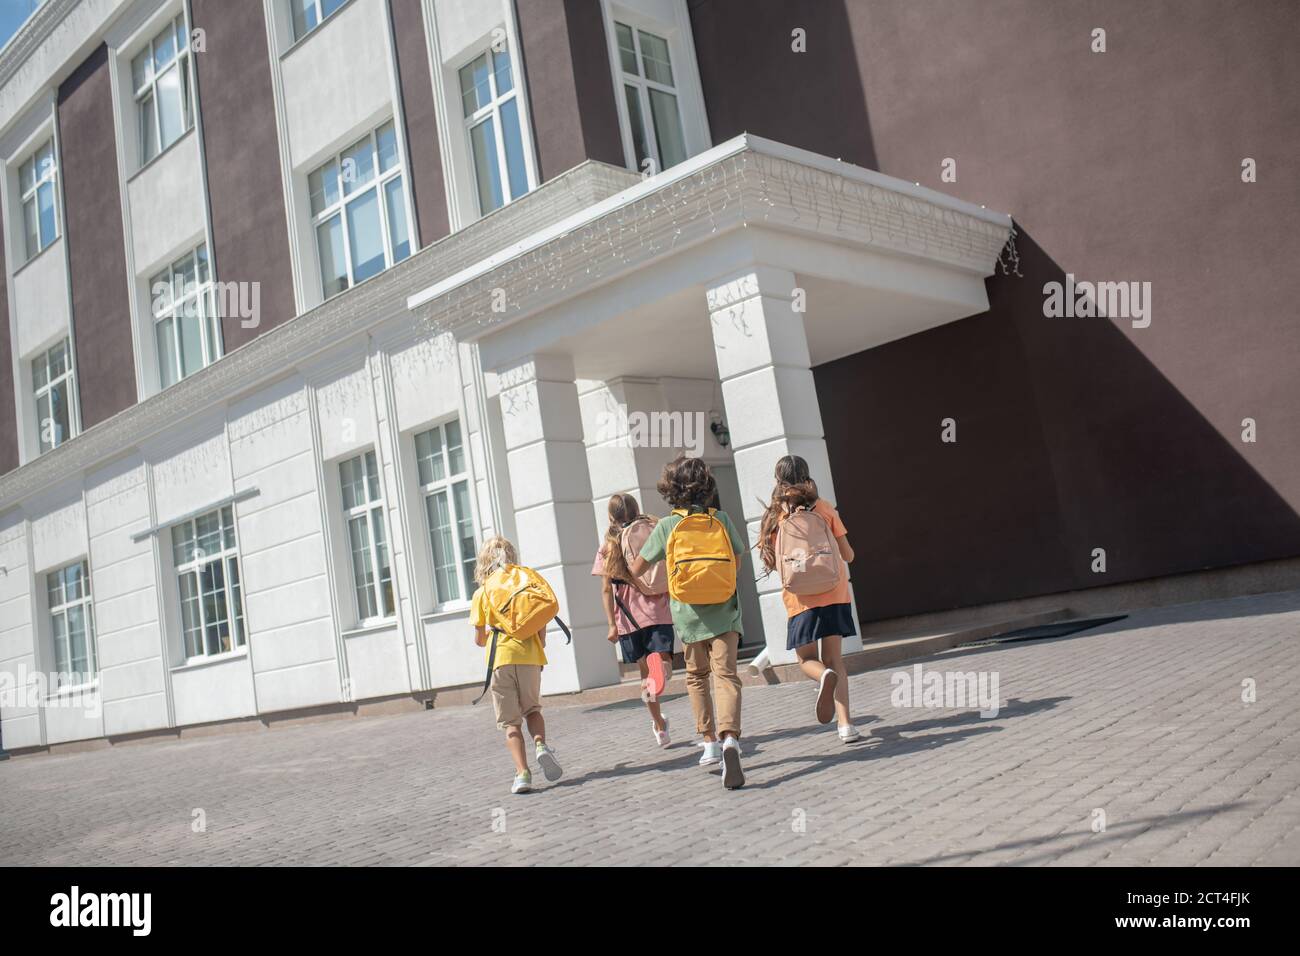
(52, 383)
(491, 107)
(36, 178)
(440, 459)
(186, 325)
(363, 509)
(651, 97)
(358, 207)
(207, 572)
(308, 14)
(72, 624)
(160, 75)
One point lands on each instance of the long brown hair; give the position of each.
(794, 489)
(623, 510)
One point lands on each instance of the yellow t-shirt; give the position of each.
(510, 649)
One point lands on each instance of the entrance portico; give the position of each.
(710, 290)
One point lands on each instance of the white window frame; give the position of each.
(38, 391)
(232, 588)
(60, 609)
(374, 512)
(318, 8)
(491, 111)
(44, 171)
(686, 74)
(164, 304)
(148, 89)
(379, 185)
(431, 486)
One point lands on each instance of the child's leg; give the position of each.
(722, 661)
(808, 662)
(536, 727)
(656, 716)
(697, 688)
(834, 659)
(515, 743)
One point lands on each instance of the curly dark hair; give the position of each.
(688, 483)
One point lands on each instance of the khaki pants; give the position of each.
(717, 656)
(516, 693)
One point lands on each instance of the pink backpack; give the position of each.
(655, 579)
(807, 554)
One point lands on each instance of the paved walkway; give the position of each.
(1142, 721)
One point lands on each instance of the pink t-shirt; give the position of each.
(645, 608)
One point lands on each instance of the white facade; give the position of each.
(287, 528)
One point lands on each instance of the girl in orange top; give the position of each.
(826, 618)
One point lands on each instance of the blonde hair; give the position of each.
(623, 510)
(495, 554)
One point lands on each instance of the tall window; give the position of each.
(308, 14)
(161, 77)
(36, 177)
(491, 107)
(363, 509)
(358, 206)
(207, 571)
(72, 624)
(186, 325)
(440, 458)
(52, 382)
(651, 97)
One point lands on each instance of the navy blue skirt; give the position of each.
(818, 622)
(655, 639)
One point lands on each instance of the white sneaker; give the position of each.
(546, 760)
(712, 753)
(733, 778)
(523, 783)
(848, 733)
(661, 736)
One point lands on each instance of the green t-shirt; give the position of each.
(698, 622)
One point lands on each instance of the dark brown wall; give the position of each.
(92, 205)
(250, 235)
(8, 410)
(1077, 433)
(570, 90)
(418, 107)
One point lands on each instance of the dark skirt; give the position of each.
(655, 639)
(818, 622)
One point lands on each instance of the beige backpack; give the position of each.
(633, 538)
(807, 554)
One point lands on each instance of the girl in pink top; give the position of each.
(641, 624)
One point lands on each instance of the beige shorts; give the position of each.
(516, 693)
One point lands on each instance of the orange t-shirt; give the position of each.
(796, 604)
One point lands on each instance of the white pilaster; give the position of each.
(772, 410)
(555, 527)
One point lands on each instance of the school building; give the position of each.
(303, 298)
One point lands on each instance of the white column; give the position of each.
(772, 409)
(620, 459)
(556, 530)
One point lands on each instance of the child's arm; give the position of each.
(541, 635)
(639, 566)
(480, 636)
(607, 599)
(846, 549)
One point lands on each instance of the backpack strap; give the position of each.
(492, 656)
(568, 635)
(623, 607)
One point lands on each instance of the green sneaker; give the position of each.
(523, 783)
(546, 760)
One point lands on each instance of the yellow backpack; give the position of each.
(518, 603)
(701, 563)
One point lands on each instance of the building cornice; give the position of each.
(34, 31)
(745, 182)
